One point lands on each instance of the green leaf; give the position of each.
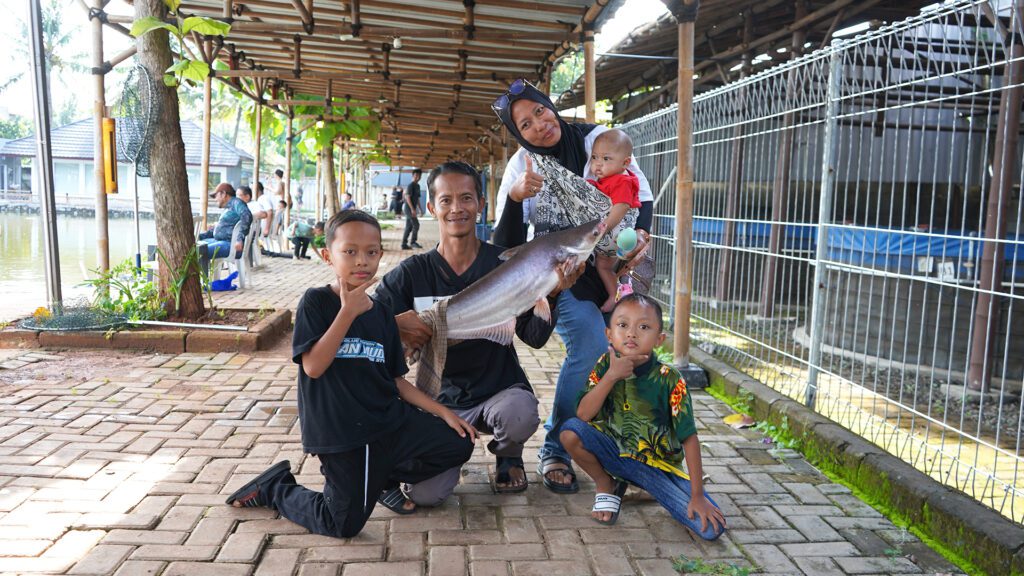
(191, 69)
(150, 23)
(172, 5)
(205, 26)
(170, 80)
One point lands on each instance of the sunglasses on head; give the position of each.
(517, 87)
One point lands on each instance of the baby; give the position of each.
(609, 161)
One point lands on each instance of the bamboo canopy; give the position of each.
(428, 69)
(719, 46)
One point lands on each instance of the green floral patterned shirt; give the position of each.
(647, 415)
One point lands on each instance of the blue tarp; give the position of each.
(895, 250)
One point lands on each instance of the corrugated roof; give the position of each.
(432, 93)
(719, 45)
(75, 142)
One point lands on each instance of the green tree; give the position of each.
(57, 45)
(58, 52)
(565, 73)
(15, 127)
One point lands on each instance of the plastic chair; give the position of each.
(254, 255)
(239, 264)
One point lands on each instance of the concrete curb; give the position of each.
(979, 534)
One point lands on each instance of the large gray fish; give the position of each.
(488, 309)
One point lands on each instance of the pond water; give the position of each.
(22, 281)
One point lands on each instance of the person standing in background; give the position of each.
(410, 207)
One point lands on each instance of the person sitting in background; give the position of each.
(216, 242)
(256, 208)
(262, 208)
(300, 233)
(349, 203)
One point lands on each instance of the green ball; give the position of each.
(626, 240)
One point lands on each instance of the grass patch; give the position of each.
(783, 436)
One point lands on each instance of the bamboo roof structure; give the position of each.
(727, 32)
(429, 69)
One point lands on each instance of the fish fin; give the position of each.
(508, 254)
(542, 310)
(500, 333)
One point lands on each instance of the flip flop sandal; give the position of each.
(502, 475)
(250, 495)
(607, 503)
(545, 466)
(395, 500)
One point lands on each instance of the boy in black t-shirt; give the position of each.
(370, 428)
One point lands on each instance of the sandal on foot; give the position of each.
(607, 503)
(251, 495)
(545, 467)
(502, 475)
(395, 500)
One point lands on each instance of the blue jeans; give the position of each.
(581, 327)
(671, 491)
(208, 248)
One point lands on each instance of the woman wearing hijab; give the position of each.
(533, 120)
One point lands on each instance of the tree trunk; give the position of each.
(330, 185)
(171, 206)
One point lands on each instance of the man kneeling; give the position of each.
(482, 381)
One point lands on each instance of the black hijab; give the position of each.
(571, 149)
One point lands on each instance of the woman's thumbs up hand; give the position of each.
(528, 184)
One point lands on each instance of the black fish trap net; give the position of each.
(73, 316)
(136, 113)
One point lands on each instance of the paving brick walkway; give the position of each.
(119, 463)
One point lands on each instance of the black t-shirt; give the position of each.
(476, 369)
(413, 192)
(356, 398)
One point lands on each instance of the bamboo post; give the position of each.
(685, 13)
(99, 111)
(341, 173)
(288, 174)
(990, 277)
(492, 187)
(319, 202)
(589, 74)
(258, 137)
(204, 175)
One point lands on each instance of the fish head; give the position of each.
(576, 244)
(587, 236)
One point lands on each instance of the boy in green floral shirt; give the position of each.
(635, 422)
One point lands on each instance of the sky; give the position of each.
(78, 86)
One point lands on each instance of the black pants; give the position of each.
(299, 246)
(421, 448)
(412, 226)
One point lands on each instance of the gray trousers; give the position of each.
(510, 416)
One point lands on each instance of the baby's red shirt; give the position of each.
(621, 188)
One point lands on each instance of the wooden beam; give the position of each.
(370, 32)
(684, 196)
(589, 75)
(99, 111)
(355, 25)
(304, 14)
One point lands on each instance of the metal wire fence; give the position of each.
(858, 239)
